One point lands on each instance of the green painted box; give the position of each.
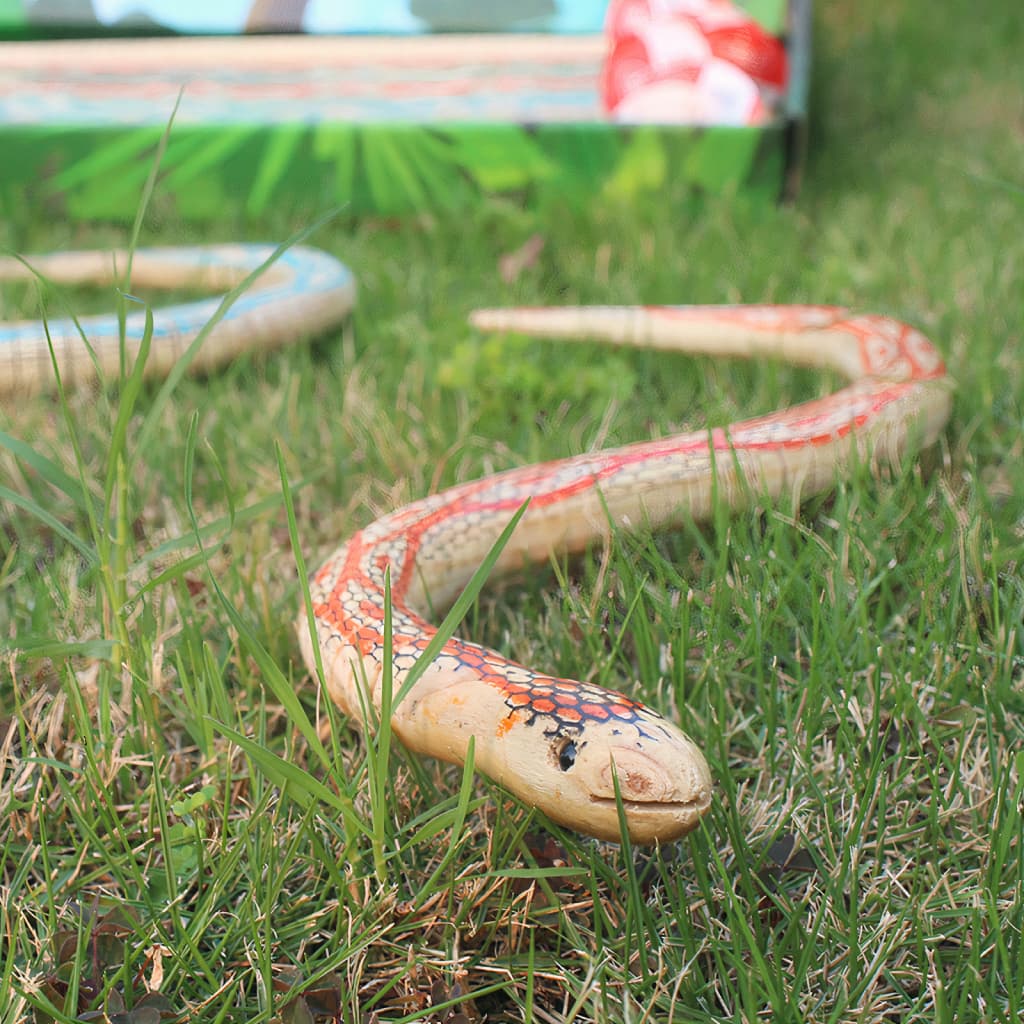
(391, 123)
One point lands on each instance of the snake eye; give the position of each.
(567, 755)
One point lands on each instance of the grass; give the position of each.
(186, 829)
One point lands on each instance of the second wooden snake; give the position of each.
(560, 745)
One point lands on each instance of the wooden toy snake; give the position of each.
(560, 745)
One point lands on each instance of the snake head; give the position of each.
(657, 772)
(563, 747)
(590, 748)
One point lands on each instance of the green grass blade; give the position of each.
(301, 786)
(131, 387)
(49, 520)
(54, 474)
(151, 422)
(458, 822)
(446, 630)
(273, 677)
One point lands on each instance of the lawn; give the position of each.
(853, 669)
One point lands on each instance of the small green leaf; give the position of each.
(194, 801)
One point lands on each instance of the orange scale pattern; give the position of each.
(562, 705)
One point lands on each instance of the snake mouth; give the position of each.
(673, 807)
(648, 822)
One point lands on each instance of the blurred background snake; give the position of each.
(574, 750)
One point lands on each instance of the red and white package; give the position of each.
(689, 61)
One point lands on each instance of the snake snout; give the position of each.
(647, 779)
(664, 792)
(642, 779)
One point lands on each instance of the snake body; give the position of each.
(299, 292)
(575, 750)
